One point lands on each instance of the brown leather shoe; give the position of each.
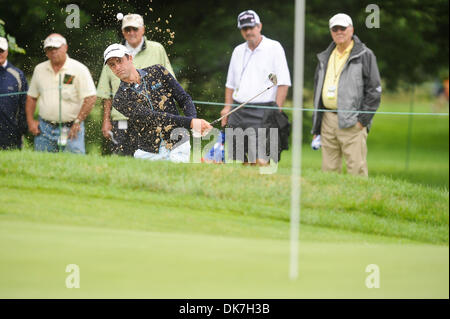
(261, 162)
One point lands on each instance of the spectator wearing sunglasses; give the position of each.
(347, 90)
(145, 53)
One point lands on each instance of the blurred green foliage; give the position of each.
(12, 45)
(411, 44)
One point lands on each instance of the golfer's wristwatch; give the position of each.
(77, 121)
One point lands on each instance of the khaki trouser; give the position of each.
(350, 142)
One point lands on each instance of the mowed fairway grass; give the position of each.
(141, 229)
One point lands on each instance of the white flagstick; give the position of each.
(299, 37)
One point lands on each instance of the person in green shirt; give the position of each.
(145, 53)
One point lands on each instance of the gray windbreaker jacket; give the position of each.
(359, 87)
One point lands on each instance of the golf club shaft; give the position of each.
(242, 105)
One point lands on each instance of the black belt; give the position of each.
(331, 110)
(258, 104)
(55, 123)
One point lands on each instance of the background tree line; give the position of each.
(411, 44)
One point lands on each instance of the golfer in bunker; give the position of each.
(148, 98)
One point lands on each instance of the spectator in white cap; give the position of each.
(248, 74)
(347, 81)
(12, 105)
(4, 51)
(78, 96)
(145, 53)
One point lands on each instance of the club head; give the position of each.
(273, 78)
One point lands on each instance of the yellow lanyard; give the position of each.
(336, 74)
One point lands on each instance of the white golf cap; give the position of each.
(54, 41)
(341, 19)
(115, 51)
(3, 44)
(248, 18)
(132, 20)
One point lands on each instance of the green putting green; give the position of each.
(137, 264)
(141, 229)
